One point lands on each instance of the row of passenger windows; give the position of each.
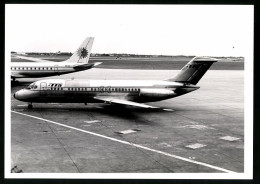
(33, 68)
(94, 89)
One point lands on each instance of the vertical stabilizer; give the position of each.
(81, 55)
(194, 70)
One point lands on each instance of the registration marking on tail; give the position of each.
(131, 144)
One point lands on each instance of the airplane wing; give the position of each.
(123, 102)
(30, 58)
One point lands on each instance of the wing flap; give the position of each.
(123, 102)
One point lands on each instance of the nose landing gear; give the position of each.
(30, 106)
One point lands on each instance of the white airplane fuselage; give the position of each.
(120, 92)
(34, 70)
(85, 91)
(44, 68)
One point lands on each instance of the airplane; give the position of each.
(43, 68)
(120, 92)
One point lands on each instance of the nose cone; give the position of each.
(22, 95)
(17, 95)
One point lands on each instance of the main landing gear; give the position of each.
(30, 106)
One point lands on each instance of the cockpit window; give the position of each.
(32, 86)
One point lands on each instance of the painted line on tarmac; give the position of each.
(131, 144)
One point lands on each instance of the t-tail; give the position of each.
(194, 70)
(82, 54)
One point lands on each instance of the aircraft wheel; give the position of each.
(30, 106)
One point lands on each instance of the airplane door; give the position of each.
(43, 88)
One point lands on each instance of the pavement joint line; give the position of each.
(131, 144)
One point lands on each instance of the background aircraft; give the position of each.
(42, 68)
(120, 92)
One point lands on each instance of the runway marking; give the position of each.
(164, 144)
(199, 127)
(195, 146)
(131, 144)
(229, 138)
(23, 105)
(128, 131)
(92, 121)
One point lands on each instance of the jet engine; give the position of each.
(161, 93)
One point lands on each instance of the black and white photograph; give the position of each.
(129, 91)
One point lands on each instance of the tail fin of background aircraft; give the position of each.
(194, 70)
(81, 55)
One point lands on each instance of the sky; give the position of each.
(209, 30)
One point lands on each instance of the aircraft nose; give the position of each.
(22, 95)
(17, 95)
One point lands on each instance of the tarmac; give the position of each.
(200, 132)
